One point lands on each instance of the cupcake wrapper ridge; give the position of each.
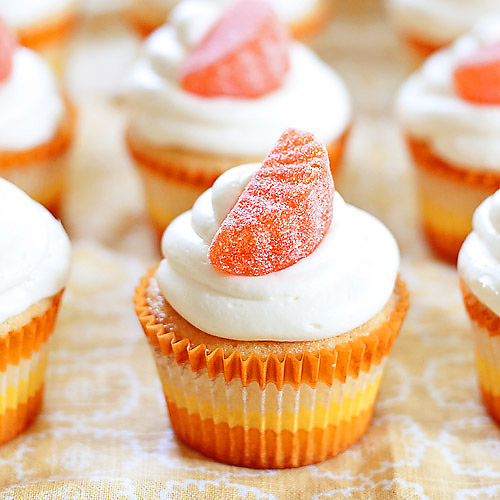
(23, 358)
(270, 412)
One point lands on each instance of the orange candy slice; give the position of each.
(283, 213)
(8, 43)
(477, 78)
(246, 54)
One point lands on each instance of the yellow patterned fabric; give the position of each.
(104, 432)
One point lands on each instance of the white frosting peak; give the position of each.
(463, 133)
(346, 281)
(35, 252)
(31, 108)
(479, 257)
(312, 96)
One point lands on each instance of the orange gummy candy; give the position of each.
(477, 78)
(283, 213)
(245, 54)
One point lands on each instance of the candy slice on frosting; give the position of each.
(8, 44)
(245, 54)
(477, 78)
(283, 213)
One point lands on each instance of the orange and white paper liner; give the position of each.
(270, 413)
(171, 189)
(41, 171)
(23, 358)
(448, 196)
(50, 38)
(486, 334)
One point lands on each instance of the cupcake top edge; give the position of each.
(35, 252)
(479, 258)
(438, 21)
(164, 114)
(33, 13)
(429, 107)
(342, 283)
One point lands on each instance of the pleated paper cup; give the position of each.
(50, 37)
(23, 358)
(268, 404)
(174, 178)
(486, 334)
(448, 195)
(41, 171)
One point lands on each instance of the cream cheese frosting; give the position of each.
(347, 280)
(439, 21)
(479, 257)
(429, 109)
(25, 13)
(35, 252)
(31, 107)
(312, 96)
(288, 10)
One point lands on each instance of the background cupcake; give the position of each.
(33, 279)
(36, 123)
(449, 111)
(303, 17)
(43, 25)
(479, 270)
(194, 115)
(271, 352)
(428, 25)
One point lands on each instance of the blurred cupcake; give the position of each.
(43, 25)
(36, 124)
(33, 279)
(273, 312)
(205, 96)
(428, 25)
(302, 17)
(479, 271)
(450, 113)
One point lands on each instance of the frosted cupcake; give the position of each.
(428, 25)
(36, 124)
(450, 114)
(479, 271)
(43, 25)
(273, 312)
(33, 279)
(302, 17)
(203, 100)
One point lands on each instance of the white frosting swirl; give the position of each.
(343, 283)
(463, 133)
(35, 252)
(31, 108)
(479, 257)
(439, 21)
(288, 10)
(312, 96)
(25, 13)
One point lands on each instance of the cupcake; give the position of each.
(205, 96)
(273, 312)
(428, 25)
(33, 279)
(302, 17)
(36, 124)
(43, 25)
(449, 111)
(479, 271)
